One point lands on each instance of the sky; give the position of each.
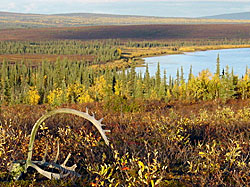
(162, 8)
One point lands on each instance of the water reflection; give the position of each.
(237, 59)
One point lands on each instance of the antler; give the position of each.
(63, 169)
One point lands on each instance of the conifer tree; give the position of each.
(170, 82)
(132, 81)
(182, 75)
(190, 73)
(139, 88)
(165, 80)
(247, 71)
(178, 77)
(218, 65)
(163, 86)
(232, 72)
(158, 77)
(147, 82)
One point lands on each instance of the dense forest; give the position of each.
(66, 81)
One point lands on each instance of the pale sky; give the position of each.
(164, 8)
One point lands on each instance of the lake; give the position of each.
(237, 59)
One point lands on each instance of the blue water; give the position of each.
(237, 59)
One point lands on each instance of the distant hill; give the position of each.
(89, 15)
(132, 32)
(234, 16)
(19, 20)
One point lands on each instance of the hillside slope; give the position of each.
(18, 20)
(132, 32)
(234, 16)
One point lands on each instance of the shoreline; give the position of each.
(140, 62)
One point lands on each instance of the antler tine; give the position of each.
(66, 160)
(47, 174)
(72, 168)
(50, 175)
(100, 120)
(87, 110)
(58, 149)
(107, 131)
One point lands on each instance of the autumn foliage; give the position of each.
(164, 131)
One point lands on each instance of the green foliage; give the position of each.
(53, 83)
(218, 65)
(101, 51)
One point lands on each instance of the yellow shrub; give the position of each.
(120, 89)
(55, 96)
(85, 98)
(101, 88)
(154, 95)
(33, 96)
(78, 93)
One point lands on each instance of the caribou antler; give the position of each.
(22, 166)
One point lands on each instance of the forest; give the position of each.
(165, 131)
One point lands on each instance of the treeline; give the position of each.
(100, 48)
(102, 51)
(181, 43)
(75, 82)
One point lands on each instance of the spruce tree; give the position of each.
(218, 65)
(178, 77)
(190, 73)
(132, 80)
(246, 72)
(182, 75)
(158, 77)
(147, 82)
(165, 80)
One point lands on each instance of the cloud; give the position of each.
(11, 5)
(8, 6)
(30, 7)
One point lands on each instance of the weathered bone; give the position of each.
(66, 160)
(63, 169)
(100, 120)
